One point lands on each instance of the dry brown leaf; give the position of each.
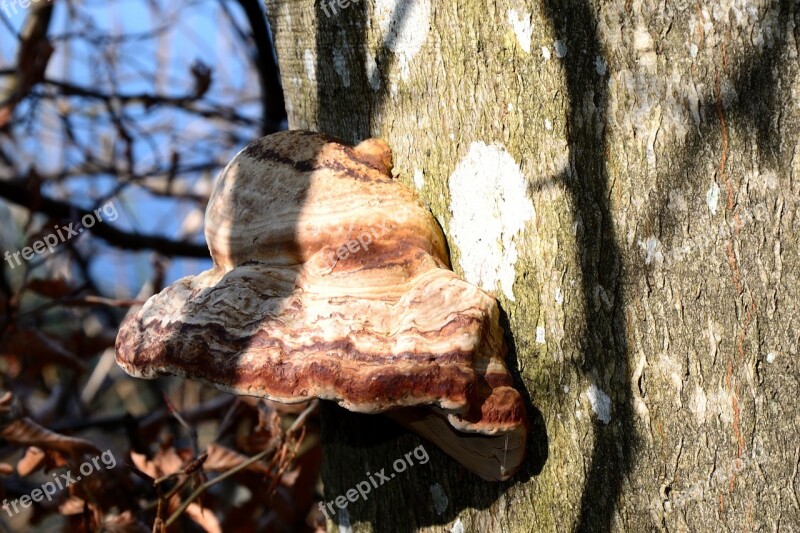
(71, 506)
(166, 461)
(142, 464)
(26, 431)
(266, 434)
(222, 459)
(205, 518)
(31, 462)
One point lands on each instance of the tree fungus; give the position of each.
(331, 280)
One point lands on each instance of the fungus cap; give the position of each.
(331, 280)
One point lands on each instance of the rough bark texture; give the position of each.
(624, 177)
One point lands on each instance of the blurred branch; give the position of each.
(32, 59)
(17, 192)
(150, 100)
(271, 90)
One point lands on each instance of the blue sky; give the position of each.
(143, 62)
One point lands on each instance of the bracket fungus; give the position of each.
(331, 279)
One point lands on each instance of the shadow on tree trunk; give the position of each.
(361, 439)
(604, 350)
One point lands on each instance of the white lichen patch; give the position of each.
(340, 66)
(720, 404)
(309, 63)
(698, 404)
(642, 40)
(600, 66)
(712, 198)
(652, 250)
(540, 335)
(419, 179)
(458, 527)
(343, 519)
(558, 296)
(561, 48)
(771, 357)
(545, 53)
(600, 402)
(523, 29)
(766, 180)
(490, 207)
(439, 498)
(404, 25)
(373, 75)
(677, 202)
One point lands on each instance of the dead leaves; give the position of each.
(27, 432)
(33, 460)
(165, 462)
(220, 459)
(272, 456)
(181, 482)
(42, 443)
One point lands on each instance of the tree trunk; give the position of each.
(624, 176)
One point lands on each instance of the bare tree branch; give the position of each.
(17, 192)
(271, 91)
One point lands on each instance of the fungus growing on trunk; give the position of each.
(332, 280)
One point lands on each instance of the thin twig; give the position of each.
(208, 484)
(205, 486)
(302, 416)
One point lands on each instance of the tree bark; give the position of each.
(623, 175)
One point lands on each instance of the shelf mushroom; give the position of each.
(331, 279)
